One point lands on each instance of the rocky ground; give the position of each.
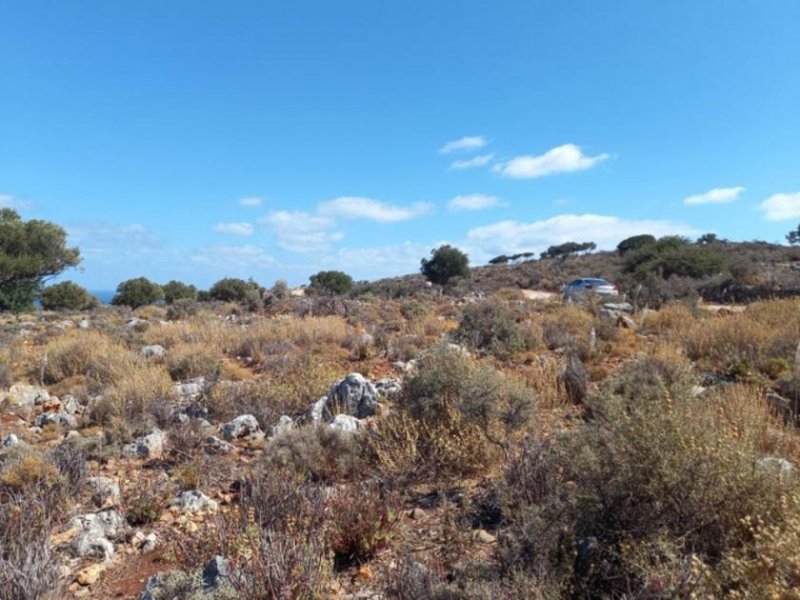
(161, 491)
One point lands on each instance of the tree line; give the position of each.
(34, 251)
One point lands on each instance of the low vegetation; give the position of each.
(462, 439)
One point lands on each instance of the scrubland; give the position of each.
(516, 449)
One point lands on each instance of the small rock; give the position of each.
(88, 575)
(27, 396)
(71, 405)
(484, 537)
(84, 324)
(105, 491)
(95, 532)
(353, 395)
(62, 419)
(191, 388)
(389, 387)
(144, 542)
(242, 427)
(215, 573)
(416, 514)
(136, 323)
(214, 445)
(345, 423)
(620, 307)
(192, 501)
(149, 446)
(285, 423)
(154, 351)
(9, 440)
(777, 465)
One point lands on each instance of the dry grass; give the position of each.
(87, 353)
(743, 341)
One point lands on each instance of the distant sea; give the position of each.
(104, 296)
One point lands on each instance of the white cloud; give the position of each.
(251, 201)
(562, 159)
(396, 258)
(234, 228)
(109, 242)
(6, 201)
(300, 231)
(781, 207)
(472, 163)
(715, 196)
(509, 237)
(473, 202)
(233, 257)
(354, 207)
(470, 142)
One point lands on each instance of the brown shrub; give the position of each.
(363, 518)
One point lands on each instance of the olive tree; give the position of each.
(30, 253)
(445, 263)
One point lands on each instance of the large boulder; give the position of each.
(354, 395)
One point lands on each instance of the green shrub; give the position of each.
(456, 414)
(674, 255)
(137, 292)
(230, 289)
(176, 290)
(634, 243)
(67, 295)
(492, 327)
(330, 283)
(182, 308)
(657, 481)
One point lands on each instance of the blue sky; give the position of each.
(196, 140)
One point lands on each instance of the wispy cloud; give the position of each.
(251, 201)
(562, 159)
(112, 242)
(781, 207)
(234, 228)
(355, 207)
(233, 257)
(507, 237)
(301, 231)
(473, 202)
(715, 196)
(470, 142)
(9, 201)
(472, 163)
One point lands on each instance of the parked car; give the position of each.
(587, 286)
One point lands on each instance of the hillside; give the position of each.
(752, 270)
